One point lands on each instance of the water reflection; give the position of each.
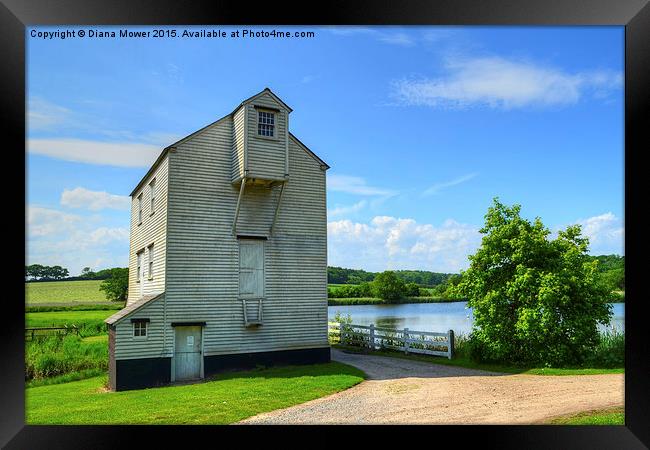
(438, 317)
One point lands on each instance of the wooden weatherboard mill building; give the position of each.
(228, 254)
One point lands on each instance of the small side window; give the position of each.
(139, 266)
(139, 209)
(265, 123)
(139, 329)
(152, 190)
(150, 273)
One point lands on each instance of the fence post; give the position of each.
(406, 340)
(450, 346)
(372, 336)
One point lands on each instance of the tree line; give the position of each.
(39, 272)
(340, 275)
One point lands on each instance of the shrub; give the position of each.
(535, 300)
(610, 351)
(412, 290)
(388, 286)
(117, 285)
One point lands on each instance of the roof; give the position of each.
(314, 155)
(180, 141)
(133, 307)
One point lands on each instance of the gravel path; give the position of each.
(400, 391)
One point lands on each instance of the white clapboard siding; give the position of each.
(152, 230)
(203, 256)
(238, 144)
(267, 155)
(197, 257)
(128, 346)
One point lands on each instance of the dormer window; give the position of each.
(265, 123)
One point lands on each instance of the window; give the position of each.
(139, 254)
(150, 251)
(139, 329)
(139, 209)
(251, 268)
(265, 123)
(152, 191)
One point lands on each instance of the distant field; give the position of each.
(86, 291)
(90, 322)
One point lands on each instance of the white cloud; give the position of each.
(46, 222)
(45, 115)
(349, 30)
(355, 185)
(500, 83)
(393, 243)
(387, 35)
(402, 39)
(122, 154)
(93, 200)
(342, 210)
(605, 233)
(436, 188)
(73, 241)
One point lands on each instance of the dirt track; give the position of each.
(400, 391)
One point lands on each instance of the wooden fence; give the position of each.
(42, 332)
(408, 341)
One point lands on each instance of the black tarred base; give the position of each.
(141, 373)
(150, 372)
(222, 363)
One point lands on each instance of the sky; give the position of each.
(422, 128)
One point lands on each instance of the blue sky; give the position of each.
(422, 127)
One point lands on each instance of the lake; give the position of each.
(431, 316)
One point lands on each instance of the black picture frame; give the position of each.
(634, 15)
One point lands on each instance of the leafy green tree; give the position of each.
(411, 290)
(388, 286)
(87, 273)
(116, 285)
(534, 299)
(34, 271)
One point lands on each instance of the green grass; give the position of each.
(69, 292)
(113, 306)
(90, 322)
(99, 338)
(226, 399)
(66, 378)
(614, 416)
(464, 361)
(60, 356)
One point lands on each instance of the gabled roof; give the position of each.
(133, 307)
(180, 141)
(270, 92)
(312, 154)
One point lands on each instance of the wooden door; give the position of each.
(187, 353)
(251, 268)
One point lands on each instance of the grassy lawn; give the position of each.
(224, 399)
(463, 361)
(71, 292)
(614, 416)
